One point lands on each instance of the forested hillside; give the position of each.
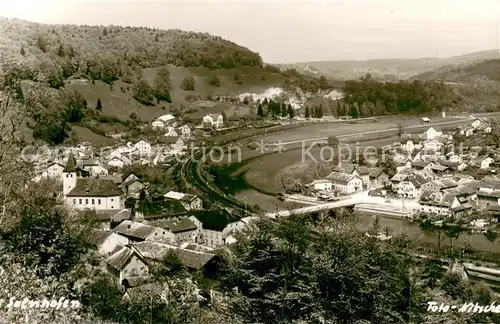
(469, 73)
(389, 69)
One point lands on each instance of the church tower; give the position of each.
(69, 175)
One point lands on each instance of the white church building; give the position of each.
(89, 193)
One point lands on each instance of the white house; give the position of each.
(483, 163)
(183, 229)
(94, 167)
(55, 171)
(175, 143)
(214, 228)
(171, 132)
(126, 263)
(322, 185)
(143, 148)
(184, 131)
(162, 121)
(213, 121)
(345, 183)
(479, 123)
(89, 193)
(432, 133)
(190, 202)
(116, 162)
(138, 232)
(107, 241)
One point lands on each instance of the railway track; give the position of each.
(190, 172)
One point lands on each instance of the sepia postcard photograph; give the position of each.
(249, 161)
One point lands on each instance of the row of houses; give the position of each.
(209, 121)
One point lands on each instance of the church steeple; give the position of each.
(69, 175)
(71, 164)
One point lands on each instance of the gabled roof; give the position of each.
(214, 220)
(120, 257)
(169, 139)
(437, 199)
(345, 167)
(188, 258)
(362, 170)
(98, 237)
(183, 224)
(71, 164)
(94, 187)
(398, 177)
(165, 118)
(134, 229)
(375, 172)
(340, 177)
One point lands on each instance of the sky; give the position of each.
(288, 31)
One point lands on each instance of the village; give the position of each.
(435, 174)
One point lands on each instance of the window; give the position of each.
(86, 201)
(71, 175)
(93, 202)
(111, 199)
(74, 201)
(80, 201)
(67, 175)
(98, 201)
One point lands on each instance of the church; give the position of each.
(89, 193)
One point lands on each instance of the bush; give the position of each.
(187, 83)
(214, 81)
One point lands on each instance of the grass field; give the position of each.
(119, 100)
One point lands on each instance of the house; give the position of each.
(117, 162)
(432, 133)
(364, 173)
(479, 123)
(107, 241)
(175, 143)
(487, 130)
(129, 177)
(138, 232)
(214, 226)
(425, 120)
(410, 187)
(126, 264)
(213, 121)
(487, 197)
(89, 193)
(171, 132)
(183, 228)
(155, 252)
(345, 183)
(143, 148)
(94, 167)
(419, 164)
(467, 130)
(134, 188)
(55, 171)
(322, 185)
(190, 202)
(162, 121)
(184, 131)
(378, 178)
(483, 162)
(438, 203)
(344, 167)
(397, 179)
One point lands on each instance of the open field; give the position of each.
(320, 130)
(119, 100)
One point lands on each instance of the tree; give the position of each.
(188, 83)
(143, 92)
(400, 129)
(354, 112)
(214, 81)
(99, 104)
(291, 112)
(75, 105)
(41, 43)
(332, 141)
(307, 114)
(452, 232)
(23, 52)
(284, 111)
(162, 85)
(260, 111)
(60, 51)
(46, 233)
(323, 83)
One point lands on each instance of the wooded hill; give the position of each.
(469, 73)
